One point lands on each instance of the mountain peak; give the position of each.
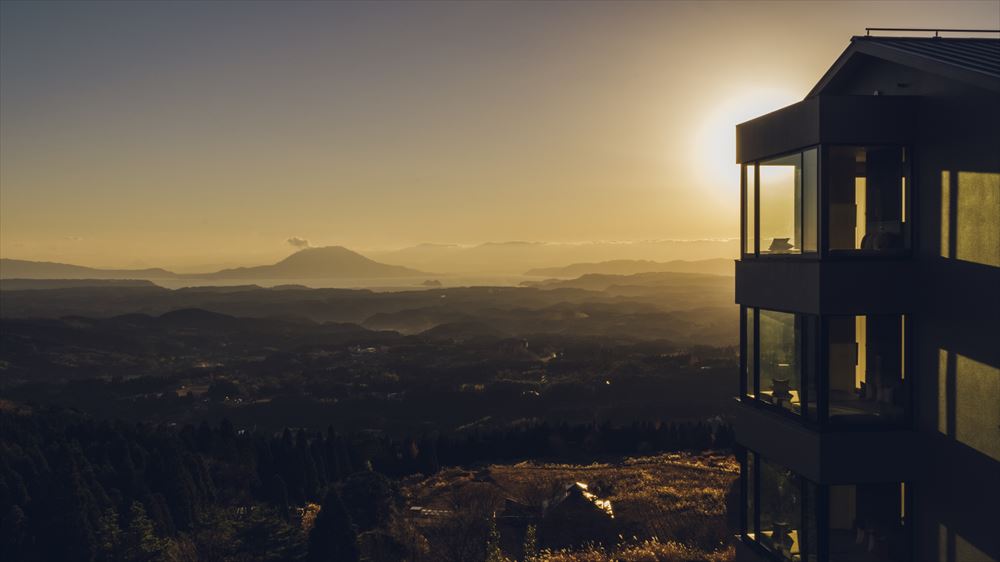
(322, 262)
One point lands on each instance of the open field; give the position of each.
(665, 507)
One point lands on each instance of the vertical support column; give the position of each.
(756, 353)
(756, 210)
(822, 372)
(743, 351)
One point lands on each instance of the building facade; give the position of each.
(869, 289)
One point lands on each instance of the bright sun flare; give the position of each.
(716, 141)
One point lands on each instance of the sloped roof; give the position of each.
(974, 60)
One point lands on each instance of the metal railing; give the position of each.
(937, 31)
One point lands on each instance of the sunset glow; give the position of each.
(193, 135)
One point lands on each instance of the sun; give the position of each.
(715, 146)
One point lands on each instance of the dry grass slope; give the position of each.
(669, 507)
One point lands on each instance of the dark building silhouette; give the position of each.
(869, 286)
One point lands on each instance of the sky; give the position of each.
(187, 134)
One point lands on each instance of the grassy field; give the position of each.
(669, 507)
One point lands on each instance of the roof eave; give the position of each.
(906, 59)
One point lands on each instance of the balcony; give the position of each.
(830, 286)
(830, 456)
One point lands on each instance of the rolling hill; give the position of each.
(717, 266)
(513, 258)
(310, 263)
(25, 269)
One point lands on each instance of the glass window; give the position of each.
(789, 207)
(866, 524)
(780, 511)
(779, 204)
(748, 356)
(865, 369)
(779, 360)
(749, 216)
(810, 200)
(867, 198)
(807, 327)
(860, 523)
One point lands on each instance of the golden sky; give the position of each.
(190, 134)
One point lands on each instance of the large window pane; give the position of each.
(779, 360)
(780, 511)
(780, 205)
(866, 523)
(749, 217)
(808, 338)
(865, 366)
(748, 358)
(810, 200)
(867, 198)
(861, 523)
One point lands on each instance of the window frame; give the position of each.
(823, 251)
(909, 210)
(819, 507)
(745, 200)
(819, 371)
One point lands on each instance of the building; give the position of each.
(869, 287)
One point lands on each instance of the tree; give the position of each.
(531, 544)
(333, 538)
(140, 541)
(369, 498)
(109, 535)
(493, 551)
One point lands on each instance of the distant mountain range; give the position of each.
(310, 263)
(493, 258)
(514, 258)
(679, 307)
(41, 284)
(24, 269)
(717, 266)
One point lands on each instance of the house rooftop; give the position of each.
(974, 54)
(972, 59)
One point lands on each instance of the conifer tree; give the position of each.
(140, 542)
(333, 538)
(531, 544)
(493, 551)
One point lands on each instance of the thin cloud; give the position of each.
(297, 242)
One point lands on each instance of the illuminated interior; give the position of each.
(866, 369)
(863, 381)
(785, 200)
(867, 198)
(796, 520)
